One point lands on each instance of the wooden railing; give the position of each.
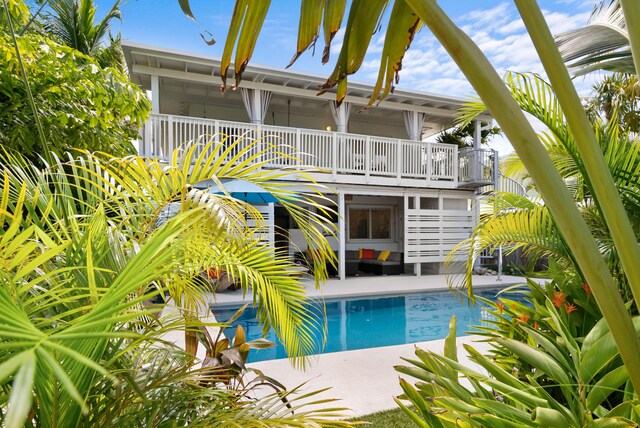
(333, 152)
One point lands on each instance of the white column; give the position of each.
(342, 237)
(477, 135)
(475, 213)
(271, 225)
(155, 94)
(257, 105)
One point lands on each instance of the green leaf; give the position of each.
(543, 362)
(64, 379)
(333, 15)
(430, 422)
(186, 8)
(309, 26)
(502, 410)
(364, 18)
(246, 22)
(600, 355)
(403, 24)
(611, 423)
(21, 396)
(450, 344)
(8, 367)
(608, 384)
(416, 399)
(549, 418)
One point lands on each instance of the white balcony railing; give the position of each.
(477, 167)
(333, 152)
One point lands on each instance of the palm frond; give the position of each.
(602, 44)
(519, 225)
(73, 22)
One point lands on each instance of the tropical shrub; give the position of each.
(525, 223)
(83, 253)
(79, 104)
(553, 362)
(462, 135)
(74, 24)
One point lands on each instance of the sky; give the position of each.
(493, 24)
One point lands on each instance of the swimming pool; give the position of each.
(359, 323)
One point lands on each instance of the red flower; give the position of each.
(569, 307)
(500, 306)
(586, 288)
(536, 326)
(523, 318)
(558, 298)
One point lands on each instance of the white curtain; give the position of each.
(340, 115)
(256, 102)
(414, 121)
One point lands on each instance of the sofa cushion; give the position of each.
(367, 253)
(384, 255)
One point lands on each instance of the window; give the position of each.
(370, 223)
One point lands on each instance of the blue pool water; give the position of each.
(359, 323)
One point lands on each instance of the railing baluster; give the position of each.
(338, 153)
(399, 159)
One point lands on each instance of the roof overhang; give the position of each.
(144, 61)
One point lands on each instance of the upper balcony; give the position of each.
(340, 157)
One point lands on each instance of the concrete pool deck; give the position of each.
(379, 285)
(364, 380)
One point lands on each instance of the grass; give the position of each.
(395, 418)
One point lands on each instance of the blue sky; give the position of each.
(493, 24)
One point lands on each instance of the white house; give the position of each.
(393, 190)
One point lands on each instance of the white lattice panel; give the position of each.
(431, 234)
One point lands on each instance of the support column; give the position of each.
(417, 267)
(476, 156)
(342, 237)
(477, 135)
(475, 213)
(272, 225)
(155, 94)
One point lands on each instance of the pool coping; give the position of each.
(348, 288)
(354, 387)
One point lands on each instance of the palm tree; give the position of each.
(405, 18)
(521, 223)
(73, 23)
(83, 250)
(603, 44)
(617, 95)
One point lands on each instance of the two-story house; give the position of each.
(393, 190)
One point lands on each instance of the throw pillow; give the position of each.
(368, 254)
(384, 255)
